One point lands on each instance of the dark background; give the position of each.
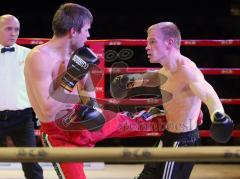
(197, 19)
(120, 19)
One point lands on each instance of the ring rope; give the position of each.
(123, 154)
(115, 154)
(208, 71)
(138, 42)
(155, 101)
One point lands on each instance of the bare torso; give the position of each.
(181, 105)
(49, 64)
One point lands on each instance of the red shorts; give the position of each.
(116, 125)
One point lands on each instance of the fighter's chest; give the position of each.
(59, 67)
(174, 84)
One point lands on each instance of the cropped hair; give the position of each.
(70, 15)
(167, 30)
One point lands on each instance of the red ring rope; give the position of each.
(153, 101)
(208, 71)
(140, 42)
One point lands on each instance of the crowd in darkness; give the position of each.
(119, 19)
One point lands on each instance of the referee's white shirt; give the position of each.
(13, 93)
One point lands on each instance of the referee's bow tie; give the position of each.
(7, 49)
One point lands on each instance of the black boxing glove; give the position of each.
(122, 83)
(90, 115)
(82, 117)
(78, 66)
(91, 118)
(221, 127)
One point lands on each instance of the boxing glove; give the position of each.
(221, 127)
(122, 83)
(78, 66)
(91, 118)
(82, 117)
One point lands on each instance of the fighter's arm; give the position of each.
(39, 74)
(147, 79)
(222, 125)
(122, 83)
(86, 90)
(201, 88)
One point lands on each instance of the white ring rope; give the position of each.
(116, 154)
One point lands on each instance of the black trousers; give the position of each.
(171, 169)
(19, 126)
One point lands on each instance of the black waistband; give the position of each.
(182, 134)
(5, 113)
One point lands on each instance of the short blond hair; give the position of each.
(168, 30)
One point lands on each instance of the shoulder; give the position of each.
(39, 52)
(37, 57)
(190, 71)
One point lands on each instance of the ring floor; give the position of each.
(128, 171)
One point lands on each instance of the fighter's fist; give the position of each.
(122, 83)
(222, 127)
(78, 66)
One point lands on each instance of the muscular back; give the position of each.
(182, 107)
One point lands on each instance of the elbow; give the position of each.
(48, 111)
